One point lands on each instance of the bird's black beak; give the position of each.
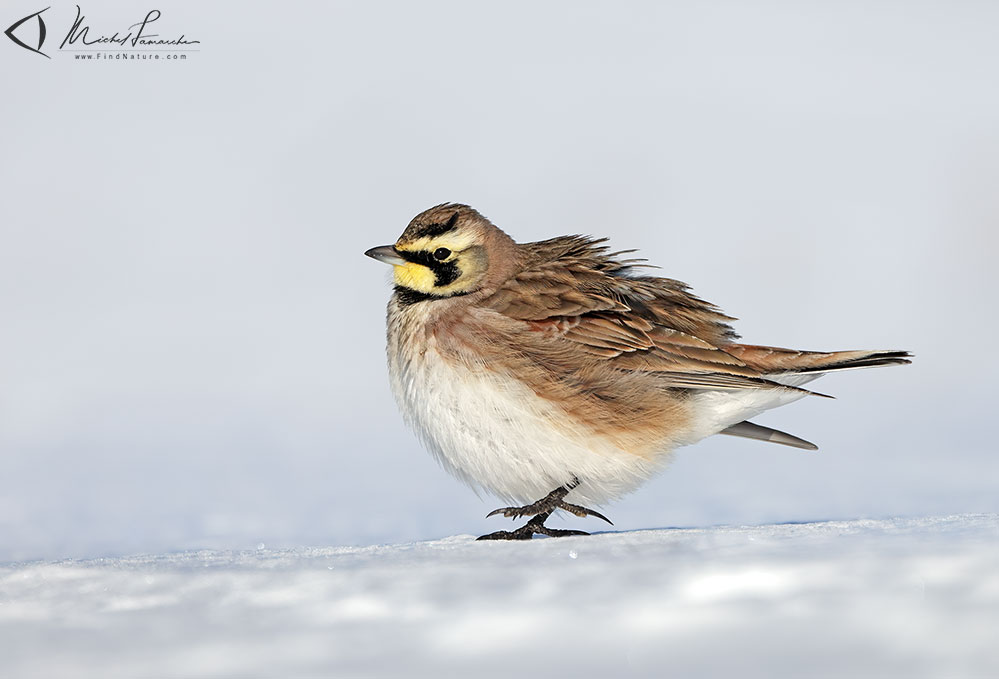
(387, 254)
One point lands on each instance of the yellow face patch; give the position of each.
(458, 273)
(420, 277)
(414, 276)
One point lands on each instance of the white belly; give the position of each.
(496, 434)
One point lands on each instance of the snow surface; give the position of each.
(905, 597)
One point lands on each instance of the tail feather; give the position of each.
(775, 361)
(872, 359)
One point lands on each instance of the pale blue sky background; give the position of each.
(191, 349)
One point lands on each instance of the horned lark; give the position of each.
(559, 370)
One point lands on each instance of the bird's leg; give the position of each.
(541, 510)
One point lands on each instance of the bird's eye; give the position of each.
(441, 254)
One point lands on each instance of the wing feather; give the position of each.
(588, 302)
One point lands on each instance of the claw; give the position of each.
(560, 532)
(516, 512)
(583, 511)
(507, 535)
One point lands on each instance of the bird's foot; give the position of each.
(554, 500)
(532, 527)
(541, 510)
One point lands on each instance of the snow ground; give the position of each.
(905, 597)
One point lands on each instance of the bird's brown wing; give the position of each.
(579, 306)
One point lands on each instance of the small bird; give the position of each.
(558, 370)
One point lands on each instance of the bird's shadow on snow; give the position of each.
(703, 529)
